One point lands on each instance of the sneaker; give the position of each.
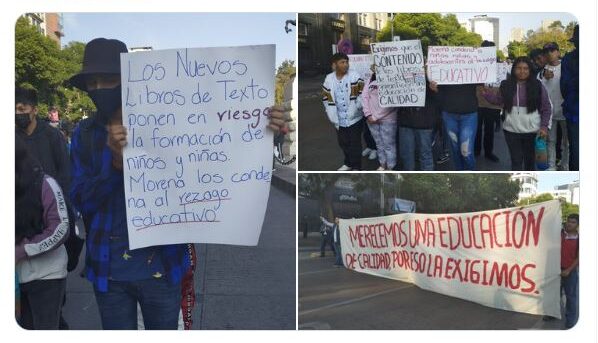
(373, 155)
(344, 168)
(492, 157)
(366, 152)
(443, 158)
(380, 169)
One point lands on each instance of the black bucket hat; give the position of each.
(101, 56)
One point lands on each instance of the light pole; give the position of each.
(382, 194)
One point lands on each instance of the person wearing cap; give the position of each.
(48, 148)
(551, 79)
(570, 93)
(121, 278)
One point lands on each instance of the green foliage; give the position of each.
(454, 193)
(42, 65)
(536, 39)
(433, 193)
(431, 29)
(501, 55)
(567, 208)
(285, 73)
(516, 49)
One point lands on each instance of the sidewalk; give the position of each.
(285, 178)
(236, 287)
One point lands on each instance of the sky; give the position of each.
(547, 180)
(528, 21)
(178, 30)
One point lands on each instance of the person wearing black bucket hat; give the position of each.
(570, 92)
(151, 276)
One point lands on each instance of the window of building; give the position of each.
(365, 40)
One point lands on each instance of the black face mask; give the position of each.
(107, 101)
(22, 120)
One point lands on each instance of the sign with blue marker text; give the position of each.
(400, 73)
(198, 161)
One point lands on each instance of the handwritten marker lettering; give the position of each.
(198, 164)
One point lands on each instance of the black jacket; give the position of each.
(48, 147)
(458, 98)
(420, 117)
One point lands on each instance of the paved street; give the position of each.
(336, 298)
(236, 287)
(319, 150)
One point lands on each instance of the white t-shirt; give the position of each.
(553, 87)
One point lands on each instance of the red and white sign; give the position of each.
(507, 258)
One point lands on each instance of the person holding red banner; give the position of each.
(569, 269)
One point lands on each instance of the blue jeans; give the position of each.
(160, 303)
(571, 289)
(409, 138)
(573, 131)
(461, 130)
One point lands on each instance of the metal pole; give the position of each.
(382, 194)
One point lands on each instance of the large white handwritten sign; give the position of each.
(507, 258)
(452, 65)
(400, 73)
(362, 65)
(197, 166)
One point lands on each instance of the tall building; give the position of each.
(529, 184)
(49, 24)
(517, 34)
(485, 26)
(319, 34)
(570, 192)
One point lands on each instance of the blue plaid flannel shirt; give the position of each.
(93, 183)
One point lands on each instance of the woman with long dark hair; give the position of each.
(41, 227)
(527, 111)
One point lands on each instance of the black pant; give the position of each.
(367, 137)
(326, 239)
(41, 304)
(522, 149)
(349, 139)
(487, 119)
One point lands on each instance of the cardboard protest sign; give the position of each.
(502, 70)
(400, 73)
(507, 259)
(362, 64)
(198, 162)
(456, 65)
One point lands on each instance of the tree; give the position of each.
(284, 73)
(500, 55)
(516, 49)
(567, 208)
(321, 186)
(37, 63)
(556, 25)
(431, 29)
(453, 193)
(41, 65)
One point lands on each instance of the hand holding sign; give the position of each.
(199, 125)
